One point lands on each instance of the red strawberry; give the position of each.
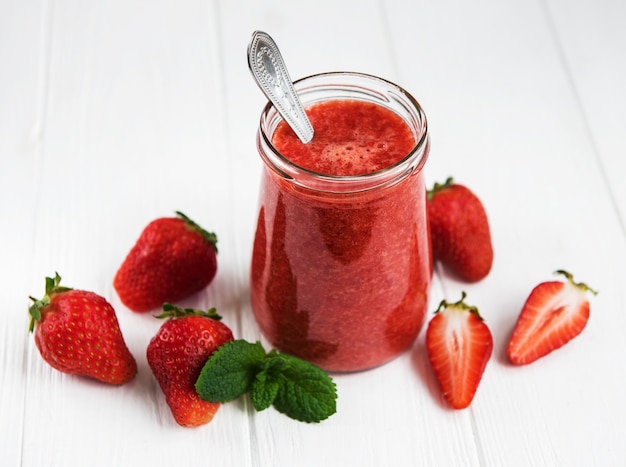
(77, 332)
(173, 258)
(459, 345)
(176, 355)
(460, 234)
(554, 313)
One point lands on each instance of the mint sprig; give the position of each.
(293, 386)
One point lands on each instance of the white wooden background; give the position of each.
(113, 113)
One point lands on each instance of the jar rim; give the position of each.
(382, 92)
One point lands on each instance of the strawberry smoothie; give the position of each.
(341, 262)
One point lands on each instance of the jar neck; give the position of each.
(352, 86)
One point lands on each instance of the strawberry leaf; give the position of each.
(209, 237)
(439, 187)
(52, 287)
(173, 311)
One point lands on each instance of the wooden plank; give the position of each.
(21, 40)
(592, 40)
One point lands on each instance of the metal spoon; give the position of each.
(270, 73)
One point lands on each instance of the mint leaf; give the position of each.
(294, 386)
(266, 385)
(306, 392)
(230, 371)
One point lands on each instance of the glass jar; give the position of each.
(341, 264)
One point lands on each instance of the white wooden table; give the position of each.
(115, 113)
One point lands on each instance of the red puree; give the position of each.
(342, 279)
(351, 138)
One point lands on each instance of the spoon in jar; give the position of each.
(270, 73)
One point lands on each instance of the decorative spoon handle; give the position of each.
(270, 73)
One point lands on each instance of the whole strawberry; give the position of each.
(177, 354)
(460, 233)
(459, 345)
(77, 332)
(554, 313)
(173, 258)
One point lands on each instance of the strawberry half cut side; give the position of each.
(459, 345)
(554, 313)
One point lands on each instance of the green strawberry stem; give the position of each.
(460, 305)
(438, 187)
(570, 278)
(210, 237)
(52, 287)
(173, 311)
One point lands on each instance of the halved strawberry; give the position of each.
(554, 313)
(459, 345)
